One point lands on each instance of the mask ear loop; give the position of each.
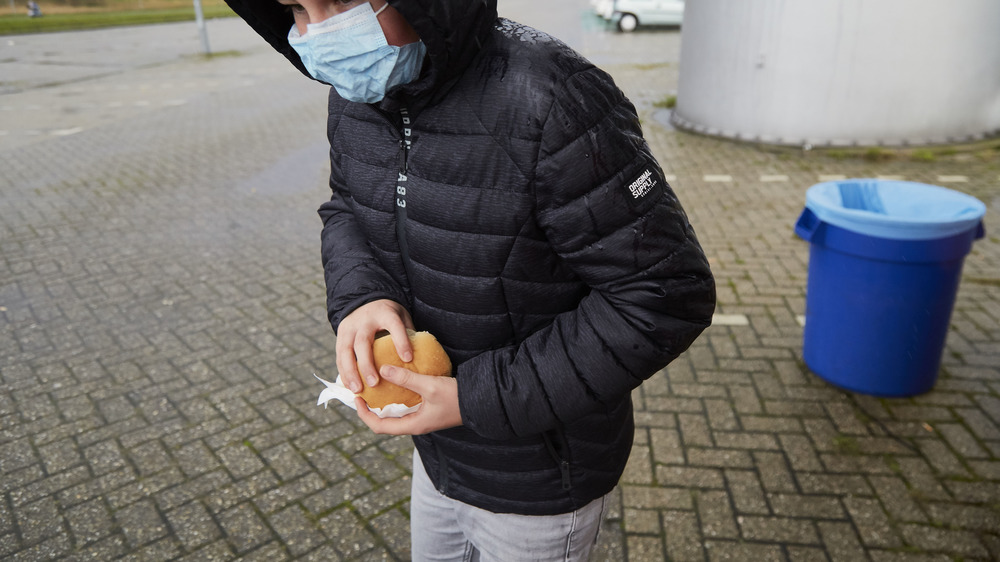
(379, 11)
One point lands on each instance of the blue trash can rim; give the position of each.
(899, 210)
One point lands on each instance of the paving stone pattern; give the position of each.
(161, 315)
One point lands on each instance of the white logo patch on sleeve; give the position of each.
(648, 184)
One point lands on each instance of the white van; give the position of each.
(603, 8)
(630, 14)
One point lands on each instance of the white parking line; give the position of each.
(721, 178)
(730, 320)
(66, 132)
(952, 179)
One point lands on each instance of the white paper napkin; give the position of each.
(337, 390)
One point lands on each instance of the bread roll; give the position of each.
(429, 358)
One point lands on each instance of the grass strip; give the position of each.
(21, 24)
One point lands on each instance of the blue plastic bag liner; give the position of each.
(811, 229)
(897, 210)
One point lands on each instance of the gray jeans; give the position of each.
(445, 529)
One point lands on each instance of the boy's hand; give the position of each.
(356, 334)
(439, 410)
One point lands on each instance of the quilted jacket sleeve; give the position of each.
(608, 212)
(353, 275)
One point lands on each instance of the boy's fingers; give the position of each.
(402, 342)
(366, 361)
(404, 378)
(367, 416)
(387, 426)
(347, 367)
(351, 381)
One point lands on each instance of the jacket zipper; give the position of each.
(401, 185)
(562, 462)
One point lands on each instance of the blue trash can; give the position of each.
(885, 262)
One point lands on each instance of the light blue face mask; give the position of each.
(349, 51)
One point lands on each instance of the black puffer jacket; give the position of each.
(508, 200)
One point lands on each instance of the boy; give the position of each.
(492, 187)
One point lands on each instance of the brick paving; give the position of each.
(161, 315)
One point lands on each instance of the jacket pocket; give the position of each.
(442, 468)
(558, 448)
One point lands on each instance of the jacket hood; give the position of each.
(453, 31)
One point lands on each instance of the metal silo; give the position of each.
(841, 72)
